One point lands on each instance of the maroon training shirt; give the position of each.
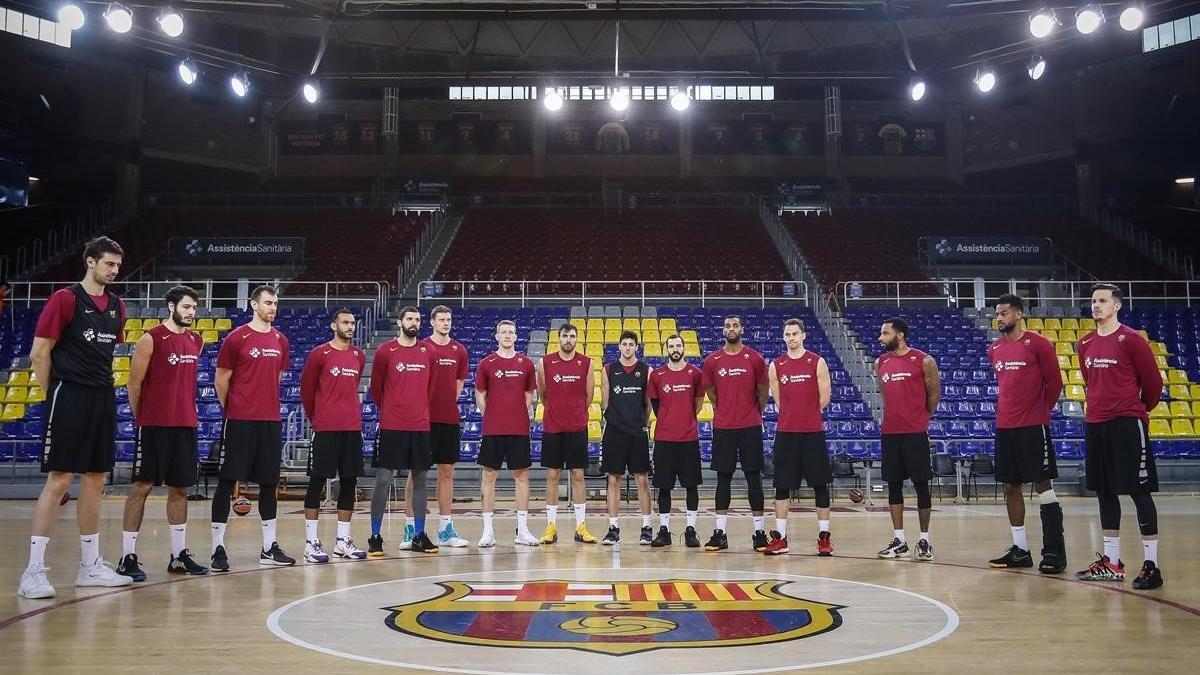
(1120, 375)
(401, 384)
(256, 360)
(329, 387)
(902, 383)
(450, 364)
(60, 310)
(1029, 379)
(676, 392)
(567, 395)
(505, 381)
(736, 378)
(799, 394)
(168, 396)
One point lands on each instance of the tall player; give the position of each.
(329, 393)
(676, 394)
(504, 385)
(450, 363)
(72, 358)
(565, 384)
(401, 385)
(626, 406)
(800, 386)
(735, 377)
(911, 386)
(1029, 379)
(1123, 386)
(250, 364)
(162, 393)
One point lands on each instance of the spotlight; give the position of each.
(171, 22)
(1042, 23)
(619, 100)
(311, 92)
(1190, 180)
(917, 89)
(1132, 17)
(985, 80)
(680, 101)
(553, 100)
(240, 84)
(188, 72)
(1036, 68)
(71, 16)
(1088, 19)
(119, 18)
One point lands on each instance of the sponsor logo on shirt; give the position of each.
(896, 377)
(567, 378)
(175, 359)
(1100, 362)
(500, 374)
(337, 371)
(669, 388)
(448, 362)
(90, 335)
(630, 389)
(733, 372)
(268, 352)
(1010, 365)
(410, 367)
(794, 379)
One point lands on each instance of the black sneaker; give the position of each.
(1014, 557)
(375, 546)
(185, 565)
(422, 544)
(613, 536)
(220, 561)
(1149, 578)
(1052, 563)
(275, 556)
(760, 541)
(690, 539)
(895, 549)
(129, 567)
(663, 538)
(718, 541)
(647, 536)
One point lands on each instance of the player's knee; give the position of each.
(895, 492)
(924, 498)
(782, 495)
(141, 489)
(1014, 489)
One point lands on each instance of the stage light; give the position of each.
(171, 22)
(917, 89)
(1190, 180)
(619, 100)
(71, 16)
(1036, 68)
(119, 18)
(552, 100)
(985, 80)
(188, 72)
(1042, 23)
(311, 92)
(240, 84)
(1132, 17)
(680, 101)
(1088, 19)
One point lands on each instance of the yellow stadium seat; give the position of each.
(594, 412)
(1195, 408)
(36, 395)
(652, 335)
(1087, 324)
(33, 377)
(133, 324)
(1194, 389)
(688, 335)
(120, 379)
(223, 324)
(209, 336)
(1032, 323)
(691, 350)
(147, 324)
(594, 336)
(595, 433)
(1161, 411)
(132, 336)
(668, 326)
(1161, 361)
(1064, 362)
(539, 413)
(1163, 375)
(1070, 323)
(1052, 323)
(706, 413)
(1075, 361)
(203, 324)
(13, 412)
(1181, 409)
(1051, 335)
(1158, 348)
(1182, 427)
(20, 377)
(1160, 428)
(1067, 336)
(652, 349)
(595, 324)
(1178, 377)
(1075, 377)
(612, 335)
(120, 363)
(1180, 392)
(1063, 348)
(17, 394)
(595, 350)
(649, 324)
(596, 394)
(1074, 392)
(612, 324)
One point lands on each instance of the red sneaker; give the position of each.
(1103, 570)
(824, 545)
(778, 545)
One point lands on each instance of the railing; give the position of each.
(629, 200)
(465, 292)
(266, 200)
(967, 292)
(408, 267)
(784, 243)
(67, 237)
(1143, 242)
(863, 200)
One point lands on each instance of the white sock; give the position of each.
(444, 522)
(664, 520)
(89, 545)
(128, 543)
(310, 532)
(487, 522)
(1048, 497)
(37, 550)
(613, 522)
(1151, 548)
(900, 535)
(580, 514)
(781, 527)
(522, 521)
(645, 520)
(552, 515)
(1112, 549)
(268, 531)
(823, 525)
(343, 530)
(178, 539)
(1019, 538)
(925, 536)
(691, 519)
(722, 521)
(759, 523)
(218, 535)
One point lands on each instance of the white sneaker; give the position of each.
(409, 532)
(34, 583)
(313, 553)
(488, 540)
(100, 573)
(525, 538)
(345, 548)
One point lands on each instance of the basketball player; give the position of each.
(626, 406)
(249, 366)
(565, 384)
(451, 361)
(735, 377)
(329, 393)
(1123, 386)
(676, 394)
(401, 385)
(162, 394)
(504, 385)
(1029, 380)
(800, 386)
(72, 357)
(911, 387)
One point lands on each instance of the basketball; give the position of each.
(242, 506)
(856, 495)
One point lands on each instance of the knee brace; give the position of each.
(821, 494)
(896, 492)
(222, 499)
(664, 500)
(346, 493)
(724, 482)
(693, 499)
(754, 489)
(924, 499)
(268, 501)
(1147, 513)
(312, 496)
(1110, 511)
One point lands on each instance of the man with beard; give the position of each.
(72, 357)
(626, 409)
(401, 386)
(329, 393)
(249, 366)
(162, 394)
(565, 384)
(911, 387)
(735, 378)
(1029, 380)
(676, 393)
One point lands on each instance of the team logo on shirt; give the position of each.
(666, 388)
(794, 379)
(631, 389)
(1120, 338)
(347, 372)
(335, 371)
(89, 335)
(255, 353)
(410, 367)
(175, 358)
(721, 372)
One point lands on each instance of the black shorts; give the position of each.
(1119, 458)
(445, 440)
(800, 457)
(336, 453)
(905, 456)
(621, 451)
(1025, 455)
(565, 451)
(166, 456)
(251, 450)
(731, 446)
(403, 450)
(677, 460)
(496, 452)
(80, 429)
